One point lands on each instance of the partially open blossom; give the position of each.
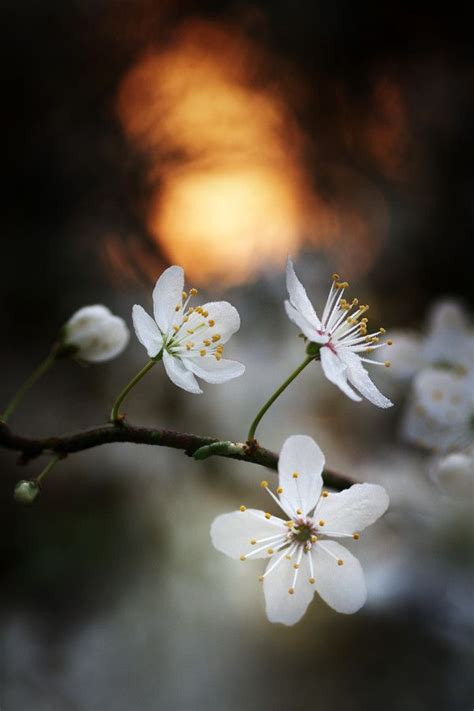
(190, 339)
(96, 334)
(302, 557)
(342, 335)
(440, 413)
(454, 475)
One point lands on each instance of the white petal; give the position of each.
(299, 298)
(449, 331)
(212, 370)
(301, 455)
(226, 318)
(405, 355)
(335, 371)
(147, 331)
(359, 378)
(167, 294)
(179, 375)
(280, 605)
(342, 587)
(231, 533)
(352, 510)
(304, 325)
(443, 396)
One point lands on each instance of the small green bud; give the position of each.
(312, 349)
(26, 491)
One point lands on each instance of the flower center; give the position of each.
(303, 531)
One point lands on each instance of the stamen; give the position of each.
(211, 322)
(243, 508)
(193, 292)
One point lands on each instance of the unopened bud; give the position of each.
(26, 491)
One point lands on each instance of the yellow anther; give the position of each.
(264, 484)
(190, 331)
(242, 557)
(220, 349)
(296, 566)
(177, 308)
(382, 330)
(218, 356)
(355, 302)
(185, 319)
(193, 292)
(340, 561)
(335, 277)
(290, 524)
(314, 539)
(321, 523)
(184, 295)
(191, 310)
(295, 475)
(387, 363)
(204, 313)
(198, 309)
(270, 551)
(216, 338)
(365, 319)
(207, 342)
(291, 591)
(243, 508)
(253, 542)
(325, 494)
(280, 490)
(389, 343)
(267, 516)
(299, 512)
(375, 339)
(211, 322)
(312, 581)
(356, 536)
(202, 352)
(369, 350)
(261, 578)
(189, 346)
(288, 557)
(175, 328)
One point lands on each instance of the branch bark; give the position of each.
(203, 447)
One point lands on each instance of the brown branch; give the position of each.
(193, 445)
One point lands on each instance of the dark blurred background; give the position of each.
(223, 136)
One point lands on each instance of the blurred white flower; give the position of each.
(449, 342)
(189, 339)
(454, 475)
(96, 333)
(302, 556)
(342, 336)
(440, 414)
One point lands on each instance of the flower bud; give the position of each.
(95, 333)
(26, 491)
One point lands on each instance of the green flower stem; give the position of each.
(276, 394)
(114, 415)
(29, 382)
(54, 460)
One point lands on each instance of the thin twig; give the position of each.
(30, 447)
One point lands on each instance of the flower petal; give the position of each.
(225, 317)
(303, 324)
(443, 396)
(359, 378)
(299, 298)
(342, 587)
(212, 370)
(300, 455)
(179, 375)
(280, 605)
(448, 334)
(232, 533)
(352, 510)
(405, 355)
(147, 331)
(335, 371)
(167, 294)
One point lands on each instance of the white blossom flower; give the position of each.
(342, 337)
(96, 333)
(303, 558)
(190, 339)
(448, 343)
(440, 414)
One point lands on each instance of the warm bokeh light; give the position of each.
(231, 187)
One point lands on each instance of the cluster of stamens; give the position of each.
(350, 329)
(195, 318)
(301, 534)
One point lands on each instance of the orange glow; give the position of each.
(230, 190)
